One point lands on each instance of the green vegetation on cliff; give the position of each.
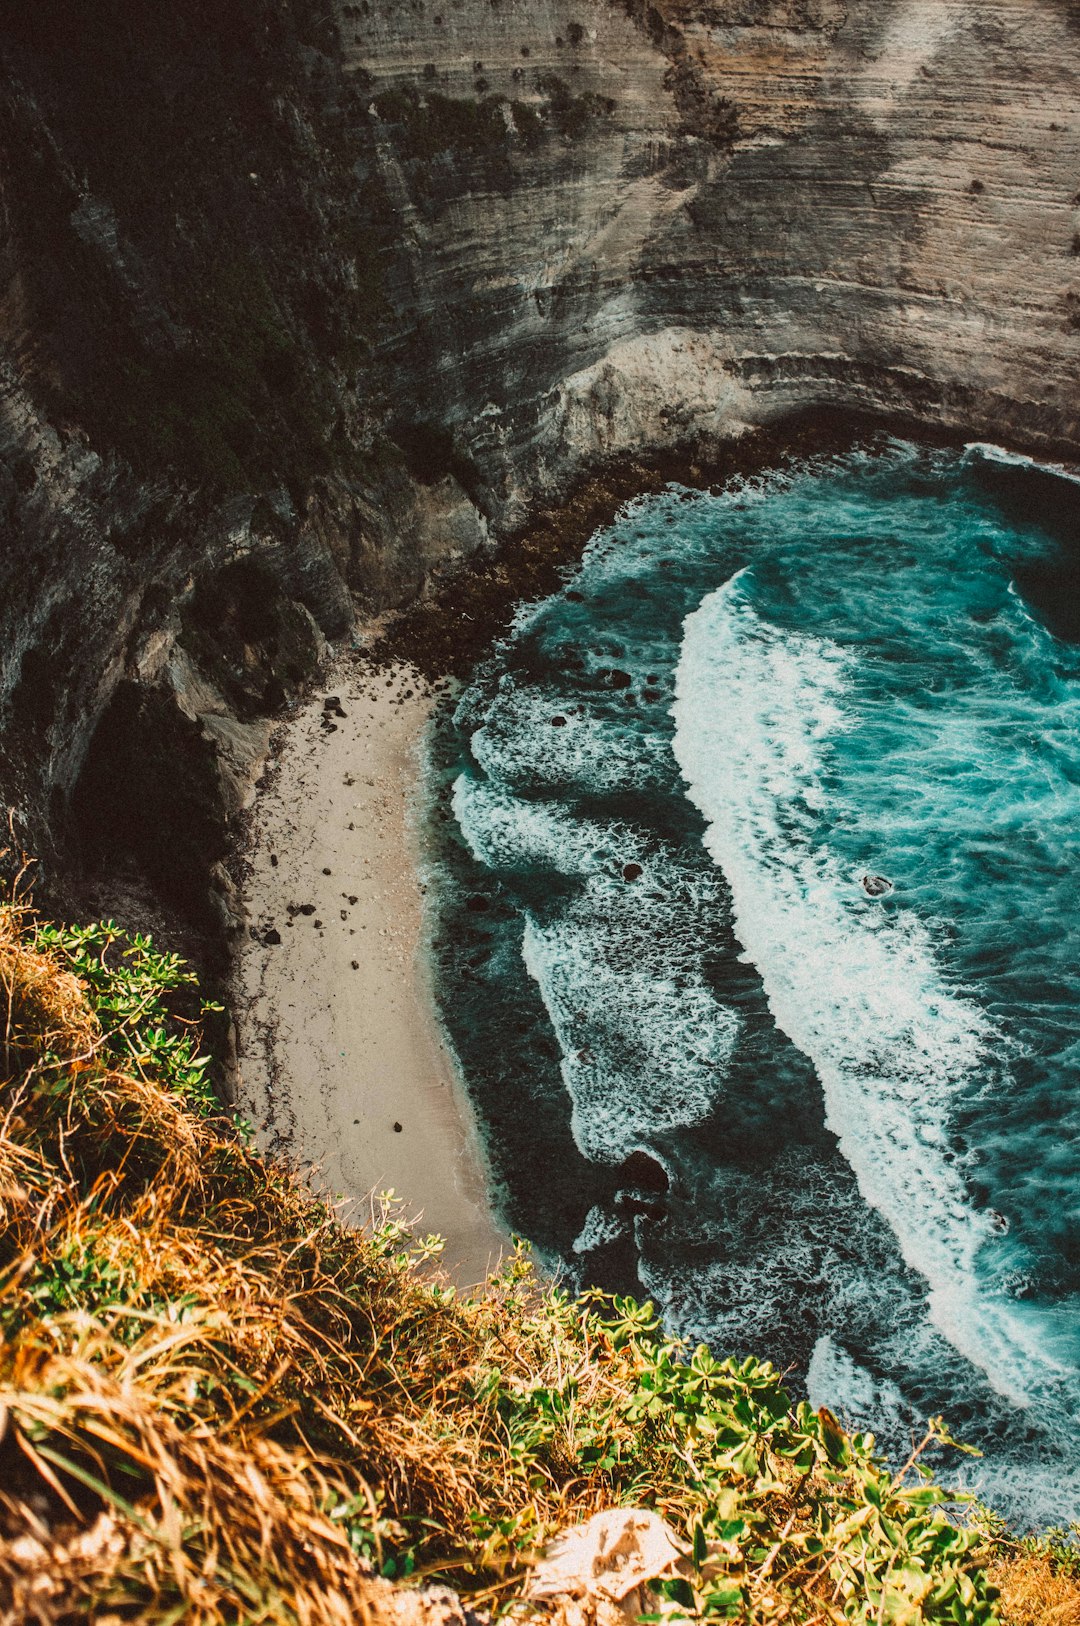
(219, 1404)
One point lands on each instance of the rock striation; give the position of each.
(762, 206)
(300, 306)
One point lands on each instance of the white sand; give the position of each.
(332, 1057)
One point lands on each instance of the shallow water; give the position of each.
(836, 1129)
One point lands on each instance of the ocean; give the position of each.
(755, 912)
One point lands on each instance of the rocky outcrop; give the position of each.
(297, 308)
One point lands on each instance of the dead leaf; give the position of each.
(610, 1554)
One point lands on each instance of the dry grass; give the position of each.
(1033, 1593)
(220, 1405)
(42, 1005)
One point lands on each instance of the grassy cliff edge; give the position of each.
(219, 1403)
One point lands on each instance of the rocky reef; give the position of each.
(301, 304)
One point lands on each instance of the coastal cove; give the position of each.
(339, 1032)
(600, 980)
(540, 762)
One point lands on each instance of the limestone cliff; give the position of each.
(296, 306)
(762, 204)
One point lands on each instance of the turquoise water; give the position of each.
(839, 1129)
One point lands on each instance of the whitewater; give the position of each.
(839, 1129)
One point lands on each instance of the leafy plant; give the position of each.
(76, 1279)
(133, 988)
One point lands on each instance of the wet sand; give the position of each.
(343, 1068)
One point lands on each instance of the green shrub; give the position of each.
(143, 1001)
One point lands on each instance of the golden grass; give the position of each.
(1034, 1594)
(42, 1006)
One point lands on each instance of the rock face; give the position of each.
(764, 204)
(296, 308)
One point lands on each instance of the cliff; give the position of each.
(298, 306)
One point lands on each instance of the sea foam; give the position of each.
(855, 985)
(644, 1042)
(642, 1053)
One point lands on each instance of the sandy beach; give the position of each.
(343, 1068)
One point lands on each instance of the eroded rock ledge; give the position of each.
(297, 310)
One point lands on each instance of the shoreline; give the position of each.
(440, 636)
(343, 1068)
(468, 606)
